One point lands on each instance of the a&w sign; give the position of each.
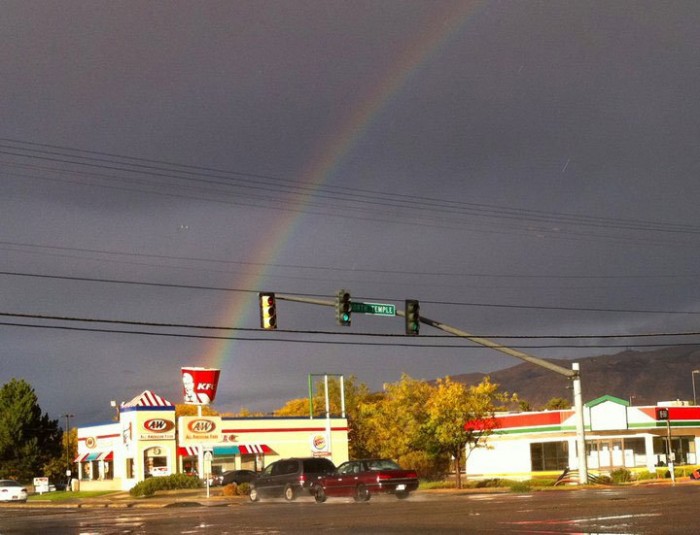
(197, 430)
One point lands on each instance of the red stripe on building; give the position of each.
(283, 430)
(533, 419)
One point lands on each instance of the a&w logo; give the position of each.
(158, 425)
(201, 426)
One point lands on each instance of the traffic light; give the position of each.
(412, 317)
(343, 308)
(268, 311)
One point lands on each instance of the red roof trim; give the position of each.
(532, 419)
(281, 430)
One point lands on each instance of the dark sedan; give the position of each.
(360, 479)
(237, 477)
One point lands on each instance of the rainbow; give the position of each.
(329, 156)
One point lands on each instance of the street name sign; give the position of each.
(377, 309)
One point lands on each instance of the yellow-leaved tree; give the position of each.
(356, 396)
(392, 426)
(458, 416)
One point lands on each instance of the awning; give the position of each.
(94, 456)
(193, 451)
(226, 450)
(255, 448)
(187, 451)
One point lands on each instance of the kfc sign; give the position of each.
(199, 385)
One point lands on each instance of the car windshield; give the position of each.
(382, 464)
(8, 483)
(318, 465)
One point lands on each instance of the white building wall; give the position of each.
(502, 457)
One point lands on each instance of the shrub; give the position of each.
(645, 475)
(233, 489)
(444, 484)
(620, 475)
(603, 480)
(149, 486)
(520, 486)
(230, 490)
(542, 482)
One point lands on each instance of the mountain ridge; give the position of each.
(640, 377)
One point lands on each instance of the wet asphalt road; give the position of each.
(638, 510)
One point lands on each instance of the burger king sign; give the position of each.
(319, 443)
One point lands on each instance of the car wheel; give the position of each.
(254, 495)
(319, 494)
(361, 494)
(402, 495)
(289, 493)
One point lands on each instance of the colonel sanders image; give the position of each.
(192, 397)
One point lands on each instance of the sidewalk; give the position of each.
(173, 498)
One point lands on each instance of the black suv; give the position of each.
(289, 477)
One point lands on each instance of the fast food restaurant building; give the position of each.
(618, 435)
(147, 441)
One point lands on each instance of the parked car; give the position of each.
(237, 477)
(289, 478)
(360, 479)
(11, 491)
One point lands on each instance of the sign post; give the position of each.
(207, 467)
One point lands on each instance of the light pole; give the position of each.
(68, 444)
(115, 406)
(692, 375)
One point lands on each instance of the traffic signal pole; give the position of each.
(573, 374)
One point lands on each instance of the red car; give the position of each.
(360, 479)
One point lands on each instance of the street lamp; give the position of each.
(692, 375)
(114, 405)
(68, 443)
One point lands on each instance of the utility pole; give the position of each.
(68, 445)
(572, 374)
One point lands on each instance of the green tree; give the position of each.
(29, 440)
(557, 404)
(56, 468)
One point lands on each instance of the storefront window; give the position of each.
(635, 452)
(252, 462)
(87, 470)
(130, 469)
(549, 456)
(108, 470)
(683, 448)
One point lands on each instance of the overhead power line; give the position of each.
(72, 319)
(426, 301)
(288, 194)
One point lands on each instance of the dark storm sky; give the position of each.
(525, 169)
